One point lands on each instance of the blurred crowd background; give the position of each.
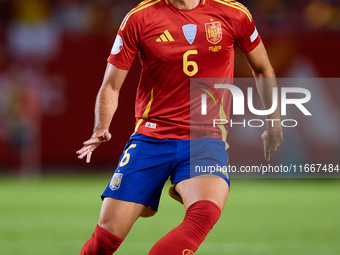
(53, 55)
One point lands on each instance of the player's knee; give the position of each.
(204, 214)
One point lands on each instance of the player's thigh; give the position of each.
(118, 216)
(204, 187)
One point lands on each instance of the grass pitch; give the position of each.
(57, 214)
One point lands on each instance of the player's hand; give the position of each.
(90, 145)
(271, 140)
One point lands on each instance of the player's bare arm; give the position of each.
(265, 82)
(106, 106)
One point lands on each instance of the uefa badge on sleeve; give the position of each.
(116, 181)
(117, 45)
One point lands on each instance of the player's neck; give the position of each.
(185, 4)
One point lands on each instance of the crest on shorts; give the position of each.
(189, 32)
(213, 31)
(116, 181)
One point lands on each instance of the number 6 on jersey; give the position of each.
(187, 63)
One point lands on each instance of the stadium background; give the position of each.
(52, 59)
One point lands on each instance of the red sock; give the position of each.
(102, 242)
(199, 219)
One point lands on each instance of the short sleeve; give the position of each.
(126, 44)
(247, 36)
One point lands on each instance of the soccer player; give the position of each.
(176, 40)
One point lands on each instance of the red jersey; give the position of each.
(175, 45)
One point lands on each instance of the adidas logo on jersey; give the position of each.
(165, 37)
(150, 125)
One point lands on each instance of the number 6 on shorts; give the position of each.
(126, 156)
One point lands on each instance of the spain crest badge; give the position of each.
(213, 31)
(115, 181)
